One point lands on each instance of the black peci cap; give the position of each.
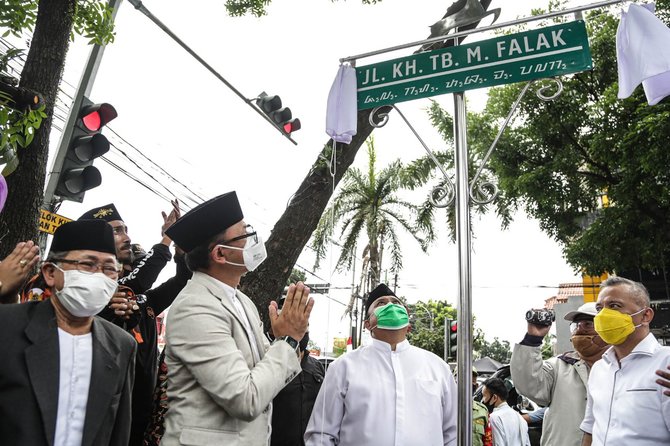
(92, 235)
(206, 220)
(106, 213)
(381, 291)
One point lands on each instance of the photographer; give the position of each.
(559, 382)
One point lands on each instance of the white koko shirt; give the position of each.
(76, 361)
(624, 404)
(375, 396)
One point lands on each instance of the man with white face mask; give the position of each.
(66, 376)
(222, 372)
(626, 406)
(559, 383)
(388, 393)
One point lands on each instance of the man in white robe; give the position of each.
(388, 393)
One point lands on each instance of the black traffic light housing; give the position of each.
(86, 144)
(452, 339)
(280, 116)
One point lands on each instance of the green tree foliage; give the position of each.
(92, 19)
(498, 350)
(548, 346)
(258, 7)
(427, 320)
(368, 207)
(563, 157)
(297, 275)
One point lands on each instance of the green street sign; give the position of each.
(545, 52)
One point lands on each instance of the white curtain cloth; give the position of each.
(342, 106)
(643, 53)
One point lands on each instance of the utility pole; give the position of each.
(50, 202)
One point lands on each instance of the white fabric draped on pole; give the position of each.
(643, 53)
(342, 108)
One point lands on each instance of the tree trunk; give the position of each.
(375, 263)
(41, 73)
(294, 228)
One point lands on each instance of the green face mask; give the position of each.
(392, 317)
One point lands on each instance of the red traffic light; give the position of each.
(292, 126)
(280, 116)
(94, 117)
(92, 121)
(454, 327)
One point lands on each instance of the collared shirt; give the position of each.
(76, 360)
(625, 406)
(375, 396)
(508, 427)
(231, 295)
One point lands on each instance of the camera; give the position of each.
(540, 317)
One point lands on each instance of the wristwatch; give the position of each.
(292, 342)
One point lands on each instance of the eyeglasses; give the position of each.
(581, 325)
(91, 267)
(250, 233)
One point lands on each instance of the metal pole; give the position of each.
(482, 29)
(446, 340)
(140, 7)
(83, 90)
(464, 353)
(353, 320)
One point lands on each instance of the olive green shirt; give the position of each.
(480, 417)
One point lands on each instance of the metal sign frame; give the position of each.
(464, 194)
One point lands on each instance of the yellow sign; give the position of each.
(49, 221)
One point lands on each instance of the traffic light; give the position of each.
(280, 116)
(86, 144)
(453, 339)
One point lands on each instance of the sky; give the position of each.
(179, 116)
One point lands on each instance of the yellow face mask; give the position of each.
(613, 326)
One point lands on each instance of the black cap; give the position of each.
(106, 213)
(381, 291)
(92, 235)
(206, 220)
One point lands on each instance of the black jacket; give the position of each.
(146, 270)
(152, 303)
(142, 326)
(293, 405)
(29, 379)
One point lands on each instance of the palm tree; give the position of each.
(368, 207)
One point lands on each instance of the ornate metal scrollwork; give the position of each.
(481, 192)
(485, 192)
(441, 196)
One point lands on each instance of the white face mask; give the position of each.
(85, 294)
(253, 255)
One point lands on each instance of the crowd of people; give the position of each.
(81, 362)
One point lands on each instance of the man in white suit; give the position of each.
(222, 372)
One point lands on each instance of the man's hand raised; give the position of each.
(293, 320)
(538, 330)
(169, 220)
